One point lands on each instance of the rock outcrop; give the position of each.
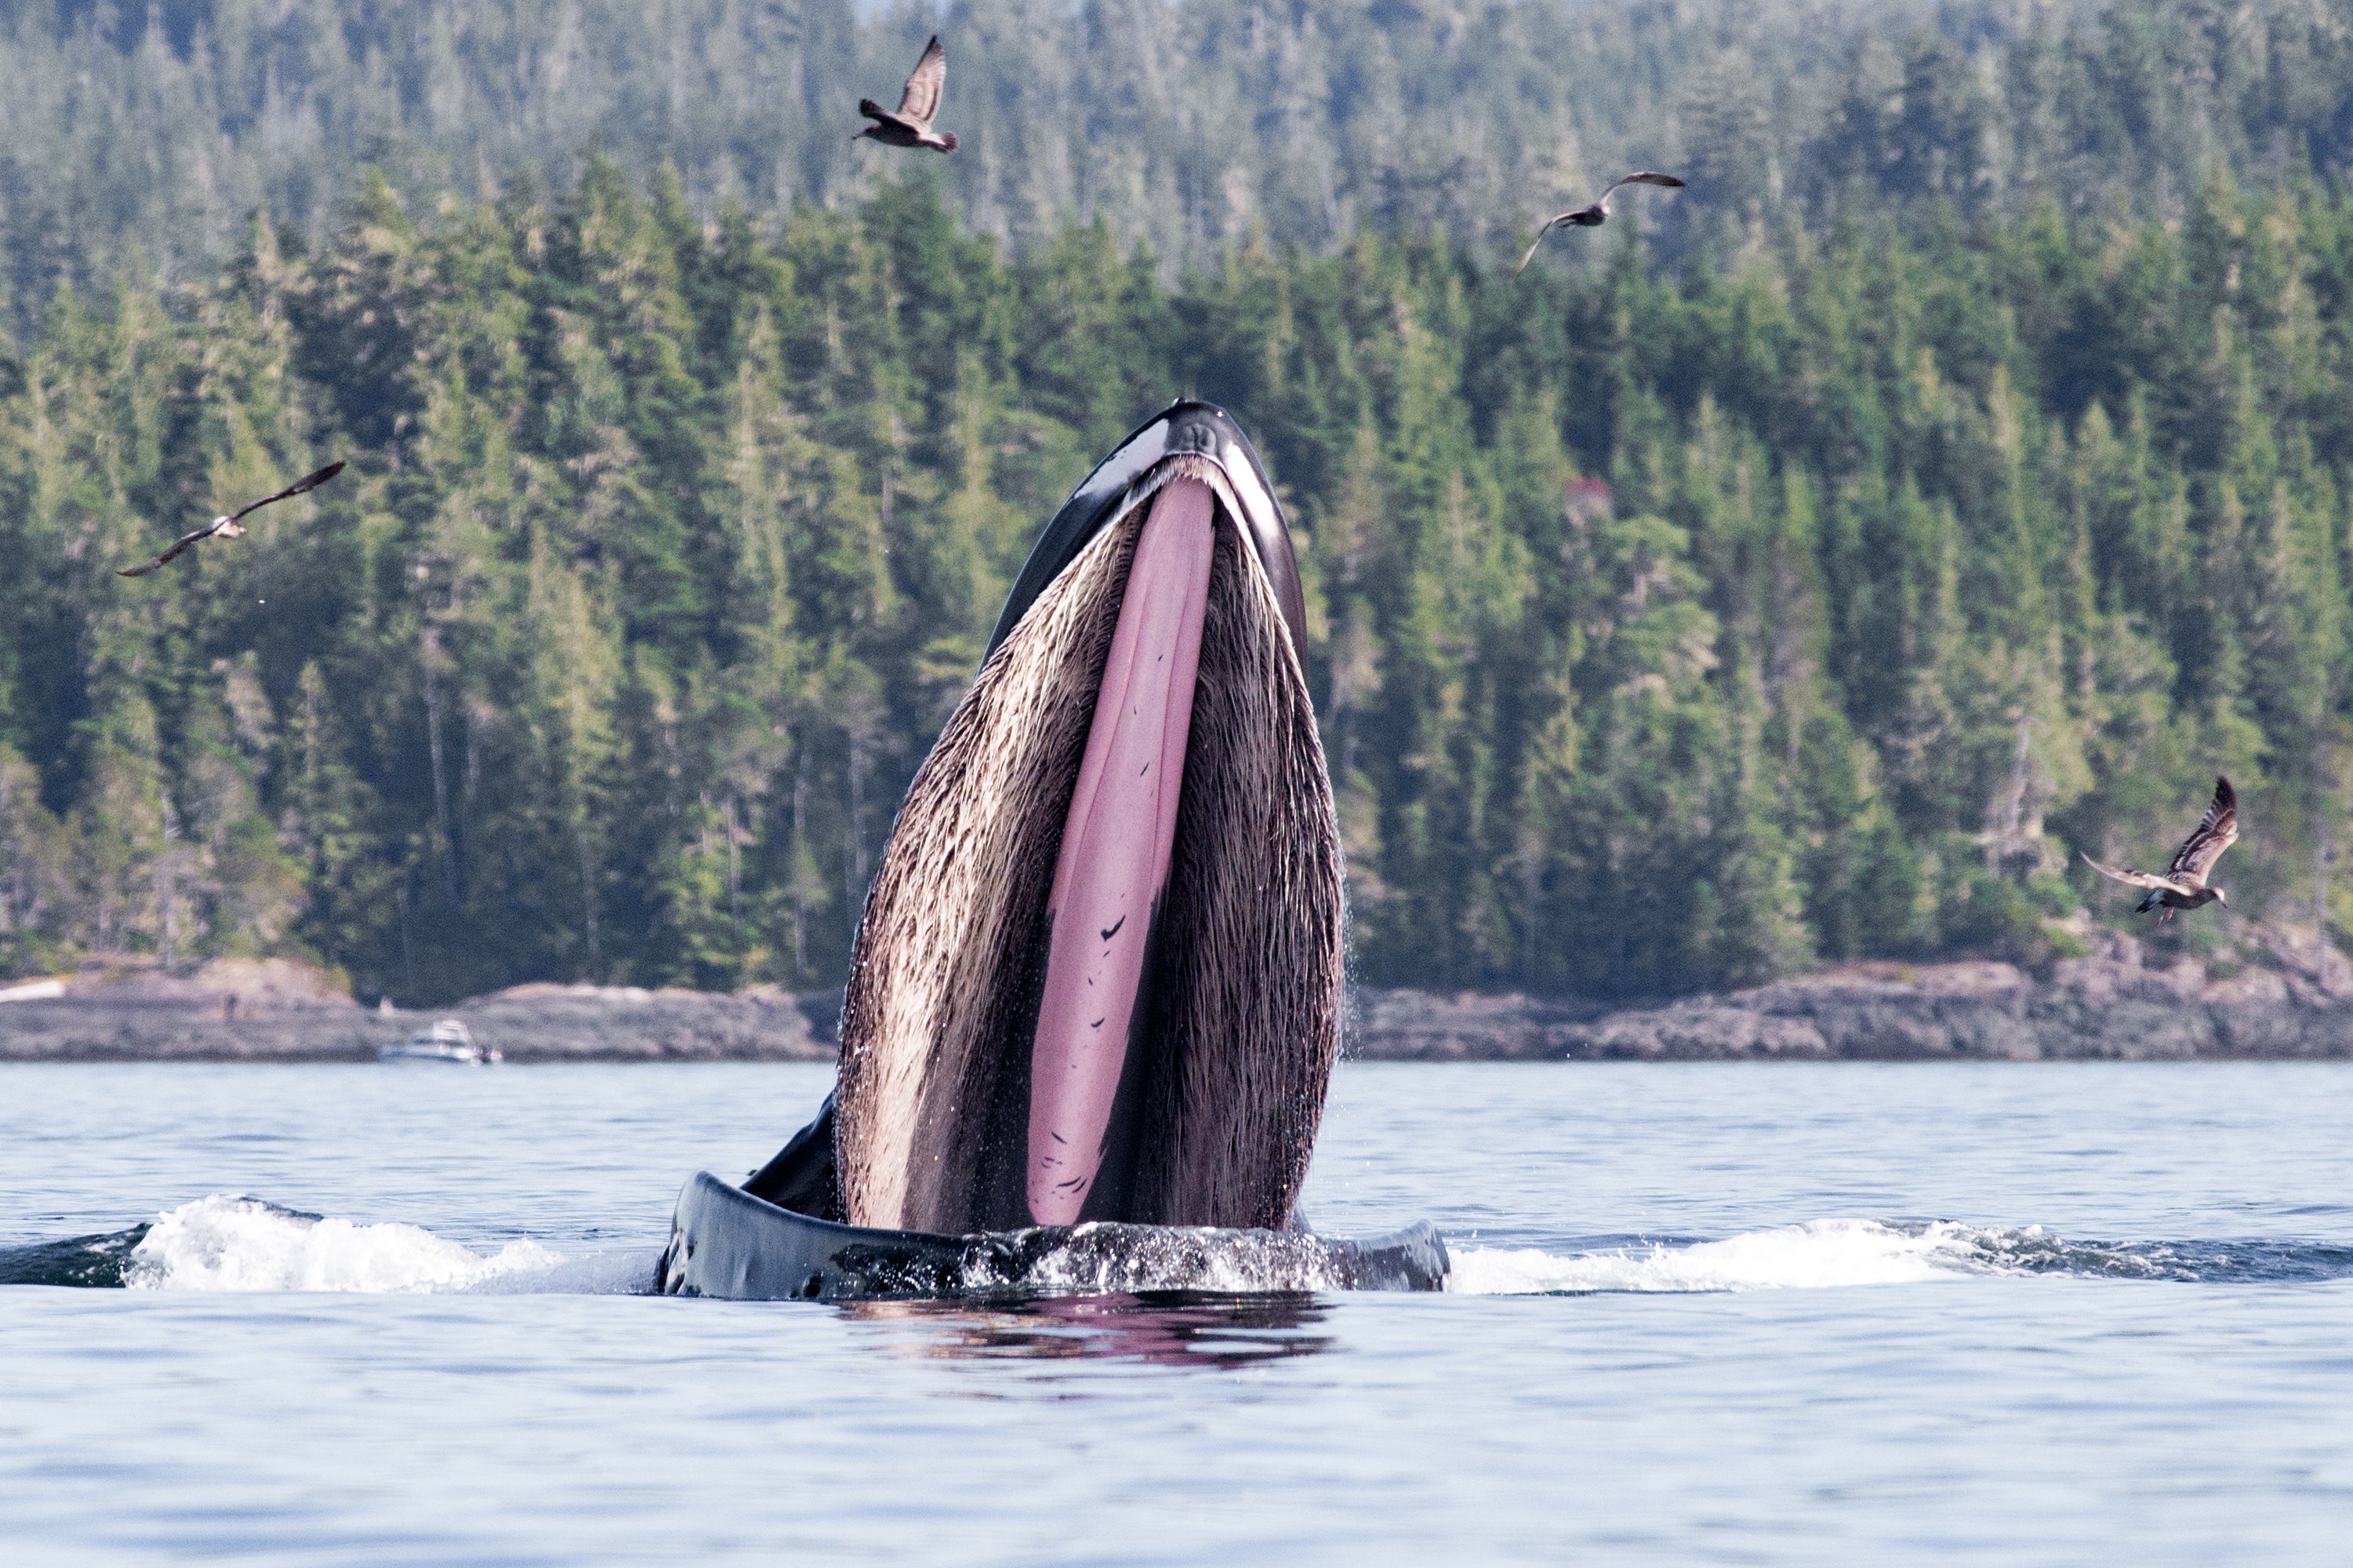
(237, 1010)
(616, 1023)
(128, 1009)
(2114, 1006)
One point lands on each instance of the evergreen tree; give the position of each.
(1670, 624)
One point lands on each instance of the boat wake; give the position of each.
(232, 1243)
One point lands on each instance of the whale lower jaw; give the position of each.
(730, 1244)
(1209, 1114)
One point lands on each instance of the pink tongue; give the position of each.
(1115, 849)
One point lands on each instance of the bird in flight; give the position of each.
(911, 124)
(229, 527)
(1596, 215)
(2183, 885)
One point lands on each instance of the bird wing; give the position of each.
(1646, 177)
(2216, 831)
(169, 555)
(306, 483)
(1532, 244)
(2132, 878)
(921, 98)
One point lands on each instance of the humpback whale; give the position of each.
(1097, 981)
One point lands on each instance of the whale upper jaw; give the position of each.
(1121, 482)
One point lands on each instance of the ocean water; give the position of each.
(1709, 1313)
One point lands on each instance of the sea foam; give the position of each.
(231, 1243)
(1821, 1253)
(234, 1243)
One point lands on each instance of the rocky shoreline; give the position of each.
(277, 1012)
(2295, 1003)
(2087, 1010)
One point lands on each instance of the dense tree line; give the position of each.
(1670, 627)
(146, 130)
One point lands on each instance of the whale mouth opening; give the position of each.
(1098, 976)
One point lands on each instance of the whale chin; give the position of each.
(1099, 972)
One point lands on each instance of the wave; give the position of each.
(1831, 1252)
(1849, 1252)
(224, 1243)
(234, 1243)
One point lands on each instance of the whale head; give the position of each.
(1098, 976)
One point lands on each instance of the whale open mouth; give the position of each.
(1098, 974)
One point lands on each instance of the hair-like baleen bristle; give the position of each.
(1245, 1000)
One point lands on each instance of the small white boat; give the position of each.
(446, 1041)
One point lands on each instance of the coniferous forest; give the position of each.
(145, 133)
(1802, 569)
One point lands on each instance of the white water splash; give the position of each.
(1099, 1259)
(1822, 1253)
(233, 1243)
(228, 1243)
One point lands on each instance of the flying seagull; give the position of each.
(228, 527)
(2183, 885)
(1596, 215)
(912, 125)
